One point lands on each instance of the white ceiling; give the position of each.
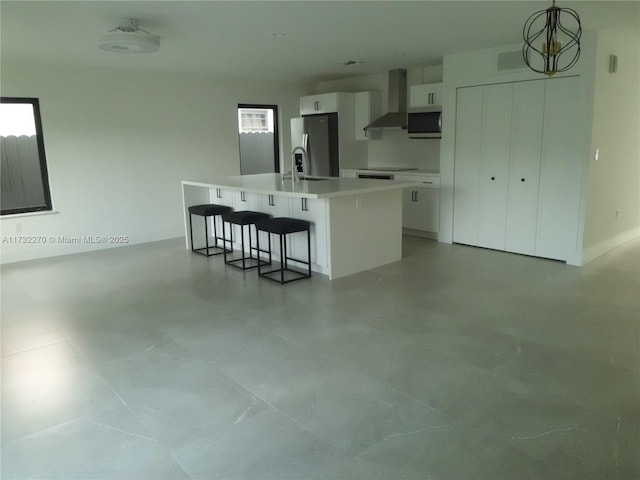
(235, 38)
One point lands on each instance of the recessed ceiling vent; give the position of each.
(128, 38)
(510, 61)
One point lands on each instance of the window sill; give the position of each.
(28, 214)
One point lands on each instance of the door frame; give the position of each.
(276, 131)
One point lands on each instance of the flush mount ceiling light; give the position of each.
(560, 48)
(128, 38)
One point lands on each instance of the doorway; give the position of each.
(258, 137)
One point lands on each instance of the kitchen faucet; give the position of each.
(294, 168)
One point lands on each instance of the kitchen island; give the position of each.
(356, 224)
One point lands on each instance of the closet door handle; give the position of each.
(416, 196)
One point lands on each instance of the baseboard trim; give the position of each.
(55, 246)
(592, 252)
(420, 233)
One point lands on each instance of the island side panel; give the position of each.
(365, 231)
(194, 195)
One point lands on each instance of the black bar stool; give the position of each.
(283, 226)
(207, 210)
(243, 218)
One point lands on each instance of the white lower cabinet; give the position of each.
(421, 205)
(420, 209)
(226, 198)
(246, 201)
(518, 167)
(313, 211)
(275, 206)
(223, 197)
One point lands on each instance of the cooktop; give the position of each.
(388, 169)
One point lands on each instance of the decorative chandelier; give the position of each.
(560, 48)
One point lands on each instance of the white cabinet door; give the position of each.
(367, 109)
(494, 166)
(467, 164)
(524, 167)
(220, 196)
(275, 206)
(561, 169)
(313, 211)
(322, 103)
(421, 205)
(246, 201)
(427, 95)
(421, 209)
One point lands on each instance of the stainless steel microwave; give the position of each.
(425, 123)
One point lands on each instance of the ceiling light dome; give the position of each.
(128, 38)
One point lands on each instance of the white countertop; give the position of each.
(272, 183)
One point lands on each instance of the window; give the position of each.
(24, 181)
(255, 120)
(259, 138)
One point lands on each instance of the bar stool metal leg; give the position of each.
(191, 231)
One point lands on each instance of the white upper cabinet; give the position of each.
(427, 95)
(322, 103)
(352, 153)
(367, 105)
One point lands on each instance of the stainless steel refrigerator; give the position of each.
(318, 135)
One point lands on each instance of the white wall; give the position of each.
(393, 147)
(119, 142)
(614, 180)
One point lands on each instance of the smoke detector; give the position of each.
(128, 38)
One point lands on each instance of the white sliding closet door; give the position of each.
(561, 172)
(494, 165)
(524, 168)
(467, 164)
(518, 166)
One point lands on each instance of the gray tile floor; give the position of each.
(147, 362)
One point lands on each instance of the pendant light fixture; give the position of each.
(127, 37)
(557, 39)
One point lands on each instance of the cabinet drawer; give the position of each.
(428, 181)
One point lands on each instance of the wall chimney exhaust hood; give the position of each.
(397, 103)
